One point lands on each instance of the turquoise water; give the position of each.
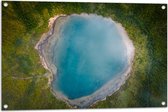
(89, 53)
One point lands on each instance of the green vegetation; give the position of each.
(24, 85)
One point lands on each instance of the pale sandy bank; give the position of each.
(44, 47)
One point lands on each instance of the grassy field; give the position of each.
(24, 85)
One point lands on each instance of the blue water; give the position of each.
(89, 53)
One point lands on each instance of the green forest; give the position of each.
(24, 85)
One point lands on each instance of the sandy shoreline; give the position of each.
(44, 47)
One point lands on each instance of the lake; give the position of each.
(89, 52)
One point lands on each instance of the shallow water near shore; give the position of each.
(89, 52)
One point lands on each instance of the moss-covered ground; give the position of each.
(24, 85)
